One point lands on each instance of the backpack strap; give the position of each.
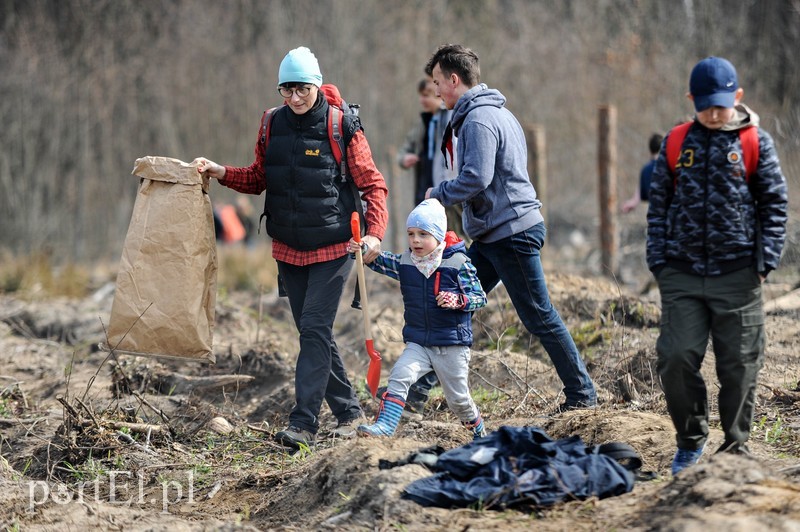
(748, 137)
(266, 124)
(674, 143)
(335, 125)
(750, 150)
(339, 149)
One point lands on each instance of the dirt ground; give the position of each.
(89, 440)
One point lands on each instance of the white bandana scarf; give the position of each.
(428, 264)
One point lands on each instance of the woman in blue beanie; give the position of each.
(307, 210)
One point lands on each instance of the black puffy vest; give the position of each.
(308, 204)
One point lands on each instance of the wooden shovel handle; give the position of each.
(362, 286)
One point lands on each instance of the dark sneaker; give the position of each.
(735, 448)
(347, 429)
(295, 437)
(685, 458)
(568, 406)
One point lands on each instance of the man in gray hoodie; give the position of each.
(501, 212)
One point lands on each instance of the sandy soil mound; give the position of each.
(88, 439)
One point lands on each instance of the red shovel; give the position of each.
(374, 370)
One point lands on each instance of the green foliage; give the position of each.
(89, 470)
(774, 432)
(485, 398)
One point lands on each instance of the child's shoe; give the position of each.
(477, 428)
(388, 417)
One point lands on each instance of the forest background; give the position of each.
(88, 86)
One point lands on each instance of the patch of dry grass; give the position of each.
(246, 268)
(36, 275)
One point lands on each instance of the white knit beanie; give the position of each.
(429, 216)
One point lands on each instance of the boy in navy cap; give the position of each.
(715, 231)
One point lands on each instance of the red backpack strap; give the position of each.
(750, 150)
(266, 124)
(335, 124)
(674, 143)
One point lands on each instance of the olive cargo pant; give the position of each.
(729, 307)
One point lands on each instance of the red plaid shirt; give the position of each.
(251, 180)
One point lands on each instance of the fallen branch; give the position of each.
(129, 440)
(259, 429)
(91, 414)
(153, 408)
(186, 383)
(142, 428)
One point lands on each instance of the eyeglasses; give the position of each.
(287, 92)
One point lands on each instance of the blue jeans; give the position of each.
(516, 262)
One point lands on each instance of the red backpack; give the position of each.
(748, 136)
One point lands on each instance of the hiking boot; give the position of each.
(347, 429)
(388, 418)
(568, 406)
(413, 409)
(735, 448)
(685, 458)
(294, 437)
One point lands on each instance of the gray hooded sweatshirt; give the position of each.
(492, 183)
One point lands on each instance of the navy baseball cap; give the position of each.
(713, 83)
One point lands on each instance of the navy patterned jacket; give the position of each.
(707, 219)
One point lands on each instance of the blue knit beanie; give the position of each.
(429, 216)
(300, 66)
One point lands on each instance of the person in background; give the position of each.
(501, 212)
(643, 189)
(440, 291)
(307, 211)
(713, 235)
(421, 152)
(244, 210)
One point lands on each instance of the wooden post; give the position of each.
(394, 202)
(537, 161)
(607, 172)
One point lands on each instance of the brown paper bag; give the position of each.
(167, 280)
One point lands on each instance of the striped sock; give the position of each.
(477, 428)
